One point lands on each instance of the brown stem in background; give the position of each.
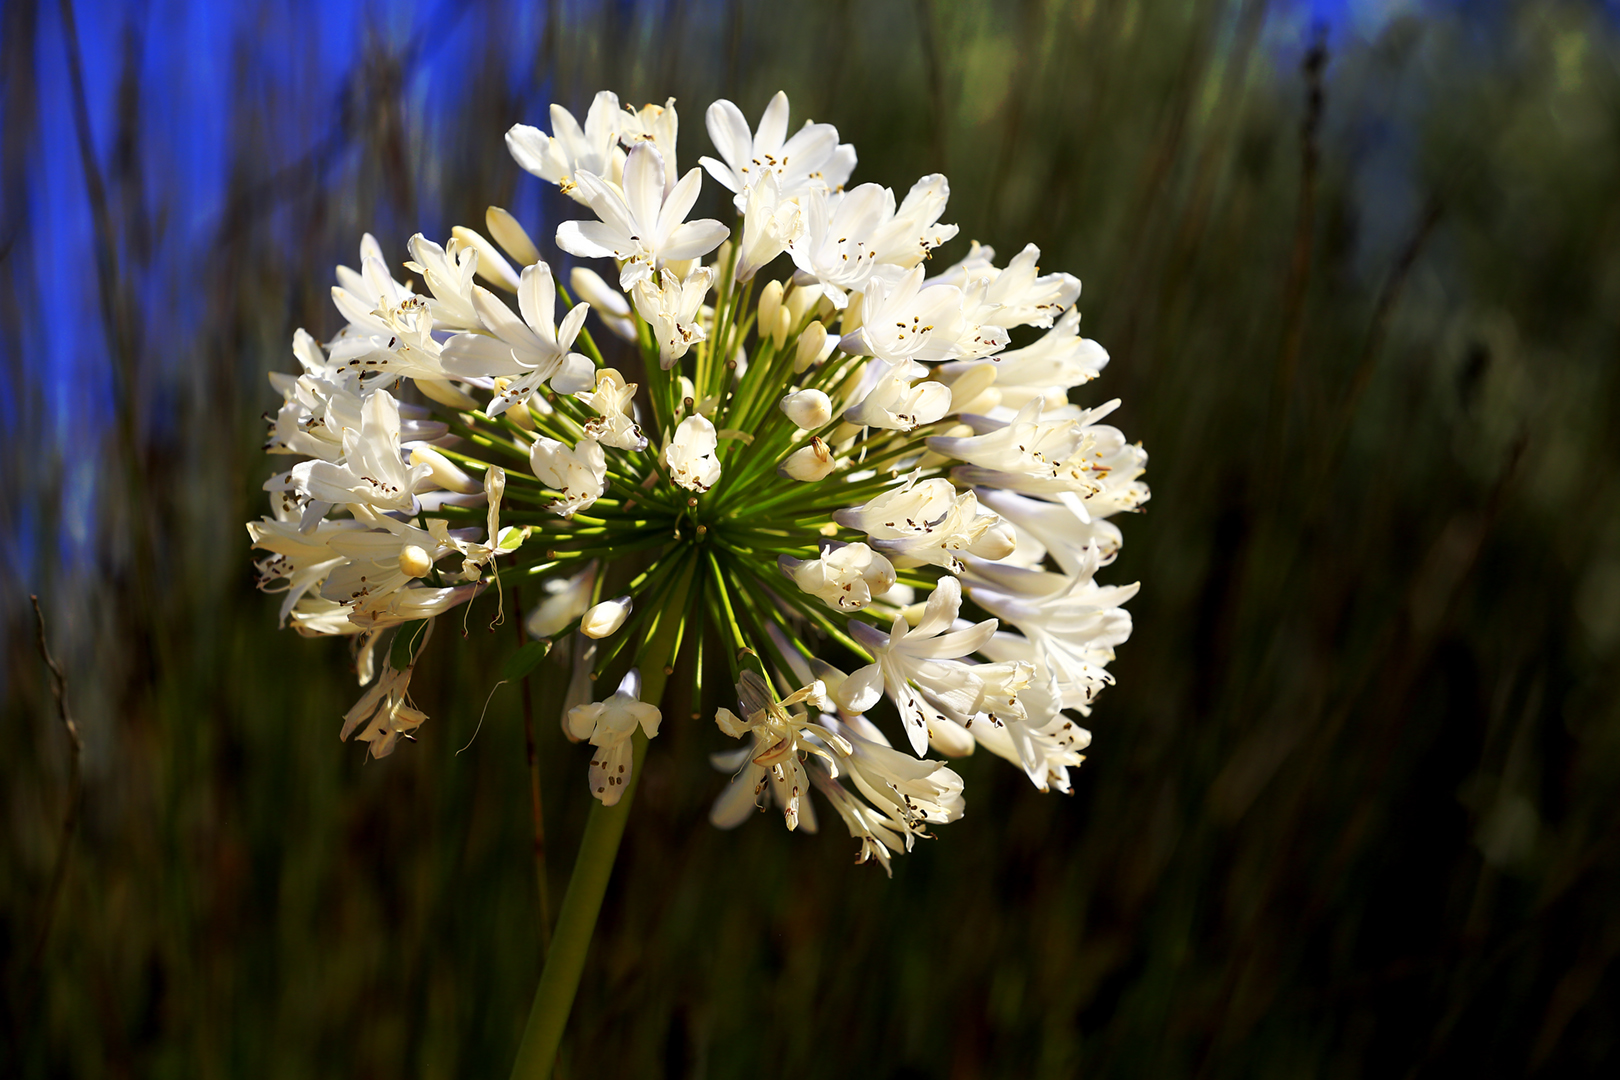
(535, 811)
(1299, 265)
(70, 819)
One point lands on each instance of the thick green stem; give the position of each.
(593, 867)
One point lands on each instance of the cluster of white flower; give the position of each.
(804, 459)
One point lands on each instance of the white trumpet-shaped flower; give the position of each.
(919, 667)
(810, 158)
(530, 350)
(771, 222)
(846, 576)
(608, 726)
(641, 226)
(614, 423)
(671, 308)
(690, 454)
(907, 321)
(782, 736)
(927, 521)
(578, 474)
(371, 472)
(891, 397)
(571, 150)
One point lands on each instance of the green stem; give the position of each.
(576, 919)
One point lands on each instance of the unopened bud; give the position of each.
(784, 323)
(415, 561)
(491, 266)
(809, 409)
(770, 307)
(812, 344)
(511, 236)
(445, 473)
(852, 314)
(606, 617)
(808, 463)
(800, 300)
(446, 393)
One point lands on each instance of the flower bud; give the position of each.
(445, 472)
(606, 617)
(812, 347)
(491, 266)
(446, 393)
(784, 323)
(809, 409)
(511, 236)
(770, 307)
(800, 301)
(808, 463)
(415, 561)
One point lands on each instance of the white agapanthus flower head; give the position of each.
(877, 500)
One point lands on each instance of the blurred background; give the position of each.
(1353, 808)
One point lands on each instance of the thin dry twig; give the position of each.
(70, 819)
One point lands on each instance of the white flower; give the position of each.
(810, 410)
(606, 618)
(641, 226)
(1046, 744)
(608, 725)
(810, 159)
(690, 456)
(906, 321)
(771, 223)
(1077, 540)
(561, 157)
(609, 303)
(1015, 296)
(298, 561)
(378, 563)
(846, 576)
(927, 656)
(835, 247)
(909, 792)
(578, 475)
(1060, 360)
(657, 124)
(390, 328)
(1039, 455)
(889, 396)
(1069, 624)
(566, 600)
(448, 272)
(371, 472)
(671, 307)
(926, 521)
(782, 736)
(531, 350)
(615, 423)
(385, 712)
(911, 231)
